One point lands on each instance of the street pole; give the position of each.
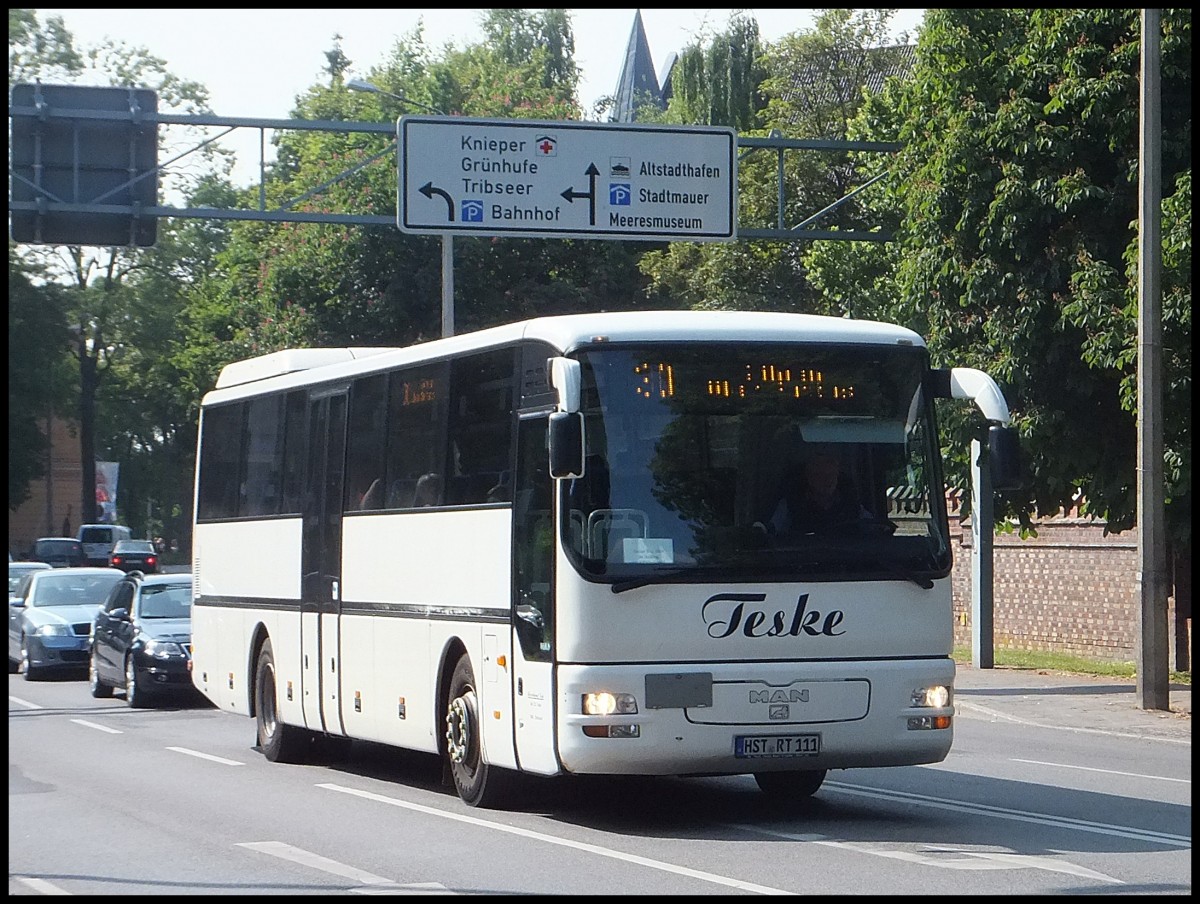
(983, 637)
(357, 84)
(447, 286)
(1153, 677)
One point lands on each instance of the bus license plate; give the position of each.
(751, 746)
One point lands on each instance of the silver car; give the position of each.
(18, 570)
(50, 618)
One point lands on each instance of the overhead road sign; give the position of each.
(540, 179)
(78, 151)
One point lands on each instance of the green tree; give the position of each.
(798, 97)
(37, 383)
(97, 307)
(37, 49)
(281, 285)
(1015, 204)
(717, 79)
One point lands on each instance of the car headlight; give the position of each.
(163, 649)
(52, 631)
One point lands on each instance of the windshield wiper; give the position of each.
(922, 581)
(651, 578)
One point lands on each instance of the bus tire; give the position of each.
(477, 783)
(278, 742)
(799, 784)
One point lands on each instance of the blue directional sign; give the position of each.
(516, 177)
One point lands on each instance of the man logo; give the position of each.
(779, 696)
(778, 712)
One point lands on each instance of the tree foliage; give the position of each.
(1013, 204)
(1015, 200)
(716, 79)
(101, 305)
(37, 384)
(795, 99)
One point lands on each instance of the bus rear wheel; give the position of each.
(796, 785)
(279, 743)
(477, 783)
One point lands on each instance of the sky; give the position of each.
(255, 62)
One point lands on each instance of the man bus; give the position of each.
(541, 548)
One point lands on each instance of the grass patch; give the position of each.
(1063, 662)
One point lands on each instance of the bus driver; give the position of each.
(819, 501)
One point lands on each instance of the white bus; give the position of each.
(555, 547)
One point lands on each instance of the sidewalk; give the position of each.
(1069, 701)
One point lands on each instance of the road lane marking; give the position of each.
(315, 861)
(376, 885)
(960, 704)
(1062, 822)
(206, 756)
(564, 842)
(412, 888)
(41, 886)
(966, 860)
(1161, 778)
(24, 703)
(97, 726)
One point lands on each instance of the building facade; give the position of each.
(52, 509)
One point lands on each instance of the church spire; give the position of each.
(638, 81)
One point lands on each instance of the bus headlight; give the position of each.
(603, 703)
(935, 697)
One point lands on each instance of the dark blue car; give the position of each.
(141, 639)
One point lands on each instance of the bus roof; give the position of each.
(566, 333)
(288, 361)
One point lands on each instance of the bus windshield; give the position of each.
(708, 461)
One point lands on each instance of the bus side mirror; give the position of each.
(1004, 460)
(566, 444)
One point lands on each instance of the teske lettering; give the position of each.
(727, 613)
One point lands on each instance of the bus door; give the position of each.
(533, 601)
(321, 561)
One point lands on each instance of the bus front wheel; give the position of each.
(477, 783)
(796, 785)
(279, 743)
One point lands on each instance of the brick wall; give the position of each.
(53, 499)
(1069, 590)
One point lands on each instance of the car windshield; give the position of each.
(60, 547)
(72, 589)
(16, 572)
(166, 600)
(134, 546)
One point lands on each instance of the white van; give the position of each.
(98, 540)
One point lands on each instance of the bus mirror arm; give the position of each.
(565, 377)
(969, 383)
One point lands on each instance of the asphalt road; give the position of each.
(1055, 785)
